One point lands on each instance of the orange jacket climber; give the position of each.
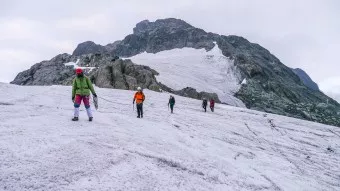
(139, 97)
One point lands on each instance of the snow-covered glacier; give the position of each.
(203, 70)
(231, 149)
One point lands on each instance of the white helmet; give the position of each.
(139, 89)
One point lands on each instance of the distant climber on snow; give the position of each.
(171, 103)
(81, 90)
(212, 104)
(204, 104)
(139, 98)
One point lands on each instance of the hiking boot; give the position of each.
(142, 116)
(75, 119)
(90, 118)
(138, 116)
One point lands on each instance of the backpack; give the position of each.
(139, 97)
(172, 100)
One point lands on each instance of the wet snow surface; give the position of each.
(231, 149)
(188, 67)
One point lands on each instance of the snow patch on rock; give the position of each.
(244, 81)
(76, 65)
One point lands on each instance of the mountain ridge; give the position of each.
(271, 86)
(306, 79)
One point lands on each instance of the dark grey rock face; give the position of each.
(275, 88)
(172, 33)
(306, 79)
(112, 46)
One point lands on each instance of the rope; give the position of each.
(112, 101)
(148, 106)
(106, 100)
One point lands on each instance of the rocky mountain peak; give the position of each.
(88, 47)
(170, 24)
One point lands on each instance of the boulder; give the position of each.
(123, 74)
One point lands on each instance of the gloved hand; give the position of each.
(133, 102)
(72, 99)
(94, 95)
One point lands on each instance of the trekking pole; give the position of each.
(133, 107)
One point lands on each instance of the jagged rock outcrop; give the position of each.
(192, 93)
(105, 70)
(57, 70)
(123, 74)
(49, 72)
(306, 79)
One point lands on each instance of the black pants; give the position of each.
(139, 109)
(212, 108)
(205, 108)
(172, 107)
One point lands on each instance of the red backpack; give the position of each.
(212, 103)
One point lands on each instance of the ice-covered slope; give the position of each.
(231, 149)
(188, 67)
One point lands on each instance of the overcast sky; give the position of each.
(301, 33)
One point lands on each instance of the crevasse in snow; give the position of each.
(203, 70)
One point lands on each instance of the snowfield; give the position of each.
(188, 67)
(231, 149)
